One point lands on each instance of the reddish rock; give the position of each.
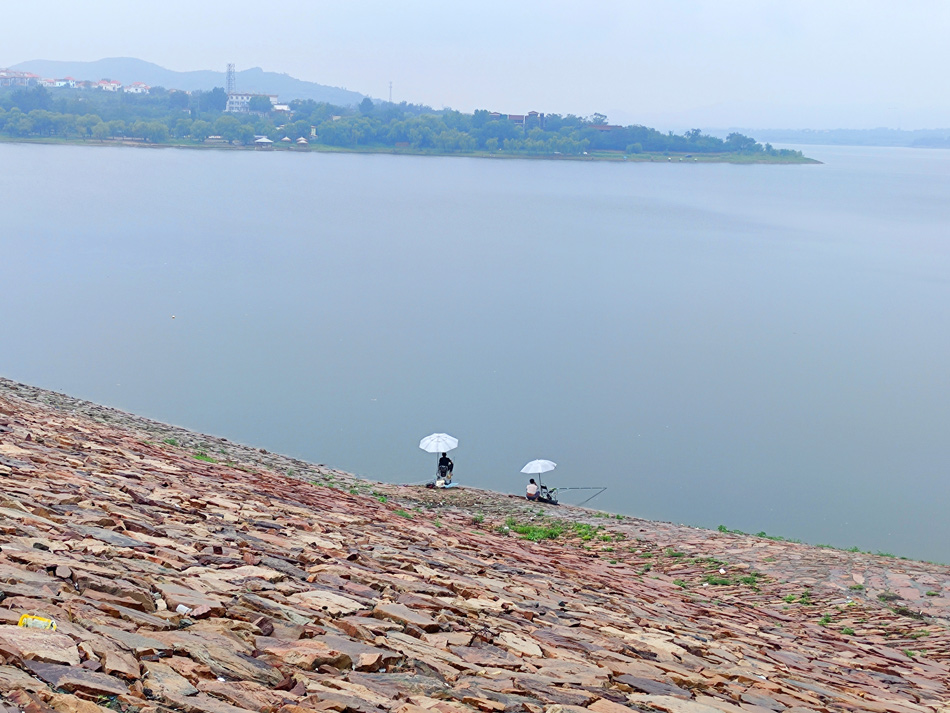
(404, 615)
(76, 679)
(43, 645)
(307, 654)
(201, 604)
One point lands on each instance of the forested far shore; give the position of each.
(174, 117)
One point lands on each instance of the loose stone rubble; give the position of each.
(198, 576)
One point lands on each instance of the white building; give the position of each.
(109, 85)
(137, 88)
(12, 78)
(240, 102)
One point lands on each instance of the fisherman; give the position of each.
(445, 469)
(533, 491)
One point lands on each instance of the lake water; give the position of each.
(764, 347)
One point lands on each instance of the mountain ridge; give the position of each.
(131, 69)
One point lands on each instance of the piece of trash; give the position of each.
(722, 571)
(182, 609)
(221, 679)
(28, 621)
(705, 584)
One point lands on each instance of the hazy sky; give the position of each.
(669, 63)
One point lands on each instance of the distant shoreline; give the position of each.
(600, 156)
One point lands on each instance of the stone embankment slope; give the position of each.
(182, 584)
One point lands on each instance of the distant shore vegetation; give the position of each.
(168, 117)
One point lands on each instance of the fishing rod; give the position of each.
(598, 489)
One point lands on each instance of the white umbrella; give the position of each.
(539, 466)
(438, 443)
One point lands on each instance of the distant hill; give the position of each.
(128, 69)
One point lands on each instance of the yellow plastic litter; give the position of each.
(36, 622)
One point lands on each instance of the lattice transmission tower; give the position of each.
(230, 78)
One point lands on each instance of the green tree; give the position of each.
(500, 129)
(137, 129)
(26, 100)
(228, 128)
(42, 122)
(65, 124)
(739, 142)
(298, 129)
(215, 100)
(101, 131)
(85, 124)
(178, 100)
(245, 134)
(201, 130)
(260, 104)
(155, 132)
(367, 106)
(20, 125)
(180, 127)
(421, 137)
(480, 118)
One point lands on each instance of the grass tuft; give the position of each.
(536, 532)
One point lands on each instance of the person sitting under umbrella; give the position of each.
(533, 490)
(445, 468)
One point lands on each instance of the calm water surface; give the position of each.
(764, 347)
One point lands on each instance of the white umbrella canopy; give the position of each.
(539, 466)
(438, 443)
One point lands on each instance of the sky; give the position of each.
(672, 64)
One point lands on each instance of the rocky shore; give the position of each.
(188, 573)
